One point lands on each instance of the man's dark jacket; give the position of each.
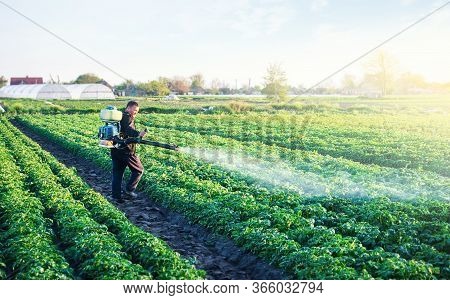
(127, 129)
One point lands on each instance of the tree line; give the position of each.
(381, 78)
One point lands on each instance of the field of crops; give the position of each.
(56, 227)
(317, 194)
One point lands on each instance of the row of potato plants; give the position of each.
(307, 224)
(149, 251)
(27, 239)
(385, 147)
(336, 175)
(393, 230)
(88, 246)
(377, 181)
(15, 107)
(422, 209)
(436, 210)
(333, 176)
(443, 214)
(183, 192)
(372, 222)
(278, 247)
(96, 252)
(410, 228)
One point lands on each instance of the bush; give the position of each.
(288, 107)
(238, 107)
(16, 108)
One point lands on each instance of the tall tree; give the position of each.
(215, 86)
(179, 85)
(164, 80)
(348, 83)
(197, 83)
(123, 86)
(87, 78)
(275, 83)
(154, 88)
(3, 81)
(380, 72)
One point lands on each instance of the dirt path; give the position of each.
(215, 254)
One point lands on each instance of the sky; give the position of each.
(233, 41)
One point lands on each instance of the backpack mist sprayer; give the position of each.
(109, 134)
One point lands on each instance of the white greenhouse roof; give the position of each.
(89, 91)
(57, 91)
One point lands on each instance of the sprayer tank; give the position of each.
(110, 114)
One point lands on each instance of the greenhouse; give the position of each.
(35, 91)
(89, 91)
(57, 91)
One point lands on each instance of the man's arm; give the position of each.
(126, 128)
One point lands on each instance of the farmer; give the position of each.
(126, 157)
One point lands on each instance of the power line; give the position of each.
(307, 90)
(63, 40)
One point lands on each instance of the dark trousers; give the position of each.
(119, 164)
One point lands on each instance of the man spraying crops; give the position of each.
(126, 157)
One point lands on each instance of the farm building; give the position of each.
(57, 91)
(26, 80)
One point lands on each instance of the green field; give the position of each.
(321, 188)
